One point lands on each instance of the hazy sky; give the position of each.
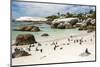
(32, 9)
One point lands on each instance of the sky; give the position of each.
(32, 9)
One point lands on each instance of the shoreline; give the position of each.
(84, 33)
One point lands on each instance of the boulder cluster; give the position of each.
(66, 23)
(27, 28)
(88, 24)
(19, 53)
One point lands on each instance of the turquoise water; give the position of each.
(53, 33)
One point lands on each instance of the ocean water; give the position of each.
(53, 33)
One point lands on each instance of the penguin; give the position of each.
(68, 40)
(41, 50)
(55, 47)
(56, 43)
(37, 49)
(68, 44)
(87, 52)
(39, 44)
(29, 49)
(61, 48)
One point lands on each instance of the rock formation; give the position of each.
(19, 53)
(23, 39)
(28, 28)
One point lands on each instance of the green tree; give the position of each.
(51, 18)
(58, 14)
(93, 15)
(91, 11)
(69, 15)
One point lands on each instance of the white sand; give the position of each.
(69, 53)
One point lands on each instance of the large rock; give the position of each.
(87, 21)
(88, 24)
(93, 22)
(90, 28)
(45, 34)
(25, 39)
(68, 26)
(74, 21)
(35, 29)
(19, 53)
(66, 20)
(83, 28)
(78, 24)
(54, 25)
(63, 23)
(28, 28)
(21, 28)
(61, 26)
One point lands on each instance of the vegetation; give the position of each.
(51, 18)
(90, 14)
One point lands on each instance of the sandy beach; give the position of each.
(67, 49)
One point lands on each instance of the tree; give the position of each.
(58, 14)
(91, 11)
(81, 16)
(93, 15)
(69, 15)
(51, 18)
